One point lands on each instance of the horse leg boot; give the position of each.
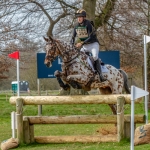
(98, 68)
(61, 83)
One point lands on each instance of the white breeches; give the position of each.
(92, 48)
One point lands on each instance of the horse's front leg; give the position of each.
(60, 75)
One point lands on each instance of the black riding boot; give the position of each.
(98, 68)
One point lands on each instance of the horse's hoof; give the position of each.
(66, 87)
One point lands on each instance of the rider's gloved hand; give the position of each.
(78, 45)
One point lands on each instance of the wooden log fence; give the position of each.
(79, 99)
(25, 124)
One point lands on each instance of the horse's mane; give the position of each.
(68, 45)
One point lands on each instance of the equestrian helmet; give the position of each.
(80, 13)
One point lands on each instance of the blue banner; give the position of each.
(108, 57)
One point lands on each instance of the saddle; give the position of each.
(92, 61)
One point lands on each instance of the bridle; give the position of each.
(52, 57)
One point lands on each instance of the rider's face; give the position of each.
(80, 19)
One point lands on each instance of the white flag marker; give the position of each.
(135, 93)
(146, 39)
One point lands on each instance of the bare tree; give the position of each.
(120, 25)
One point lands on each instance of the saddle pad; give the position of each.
(104, 69)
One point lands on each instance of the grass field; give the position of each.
(5, 125)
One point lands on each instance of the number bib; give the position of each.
(82, 33)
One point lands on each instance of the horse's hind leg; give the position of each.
(125, 77)
(106, 91)
(113, 108)
(117, 89)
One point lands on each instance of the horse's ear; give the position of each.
(46, 39)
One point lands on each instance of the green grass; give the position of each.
(85, 129)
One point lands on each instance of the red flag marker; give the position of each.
(14, 55)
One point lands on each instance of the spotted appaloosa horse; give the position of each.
(77, 72)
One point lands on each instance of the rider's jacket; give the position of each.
(85, 32)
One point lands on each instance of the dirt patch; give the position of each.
(107, 130)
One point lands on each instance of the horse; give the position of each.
(78, 73)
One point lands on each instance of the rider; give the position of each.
(89, 42)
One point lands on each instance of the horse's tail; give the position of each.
(125, 77)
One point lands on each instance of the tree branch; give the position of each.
(106, 13)
(42, 8)
(67, 5)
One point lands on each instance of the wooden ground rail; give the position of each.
(25, 131)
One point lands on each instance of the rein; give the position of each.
(67, 53)
(72, 59)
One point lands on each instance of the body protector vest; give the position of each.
(82, 32)
(85, 32)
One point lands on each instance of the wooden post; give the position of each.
(26, 130)
(127, 127)
(31, 127)
(19, 116)
(39, 93)
(120, 117)
(127, 130)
